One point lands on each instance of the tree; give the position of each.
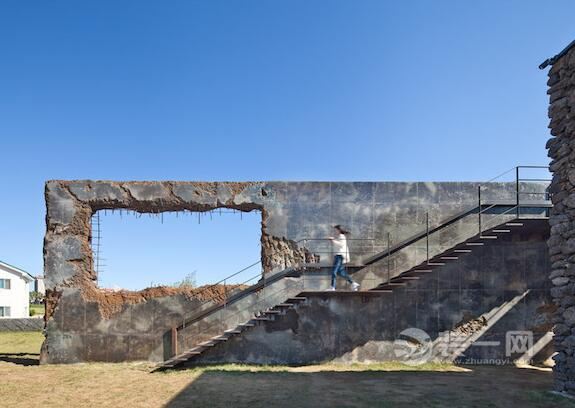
(36, 297)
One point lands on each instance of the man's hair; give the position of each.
(341, 229)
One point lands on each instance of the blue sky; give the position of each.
(264, 90)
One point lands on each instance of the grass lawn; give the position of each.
(329, 385)
(38, 309)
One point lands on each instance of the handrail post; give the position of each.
(517, 190)
(223, 314)
(479, 208)
(388, 256)
(427, 235)
(174, 340)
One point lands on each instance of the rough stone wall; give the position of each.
(562, 241)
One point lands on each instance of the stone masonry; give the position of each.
(562, 220)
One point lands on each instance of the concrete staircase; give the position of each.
(279, 310)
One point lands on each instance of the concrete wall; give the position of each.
(504, 282)
(23, 324)
(82, 319)
(562, 242)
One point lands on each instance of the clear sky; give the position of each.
(264, 90)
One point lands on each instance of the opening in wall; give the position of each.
(135, 251)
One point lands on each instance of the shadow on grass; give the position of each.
(477, 388)
(24, 359)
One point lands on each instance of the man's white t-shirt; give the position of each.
(340, 247)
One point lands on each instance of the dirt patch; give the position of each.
(111, 302)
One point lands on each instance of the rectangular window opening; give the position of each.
(134, 251)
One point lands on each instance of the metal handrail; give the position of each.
(480, 209)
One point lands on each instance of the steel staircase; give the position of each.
(493, 221)
(403, 279)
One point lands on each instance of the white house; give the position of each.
(14, 291)
(39, 285)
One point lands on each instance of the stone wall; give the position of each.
(562, 241)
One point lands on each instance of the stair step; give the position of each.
(220, 338)
(488, 237)
(392, 284)
(474, 243)
(246, 325)
(190, 353)
(436, 263)
(296, 299)
(272, 312)
(208, 343)
(410, 277)
(514, 224)
(449, 258)
(285, 305)
(422, 270)
(261, 318)
(500, 231)
(179, 360)
(233, 331)
(462, 251)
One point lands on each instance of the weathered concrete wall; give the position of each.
(81, 318)
(23, 324)
(562, 242)
(505, 282)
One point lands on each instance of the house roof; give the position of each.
(553, 60)
(11, 268)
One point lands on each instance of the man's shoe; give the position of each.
(332, 289)
(355, 286)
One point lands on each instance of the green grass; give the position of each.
(38, 310)
(21, 342)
